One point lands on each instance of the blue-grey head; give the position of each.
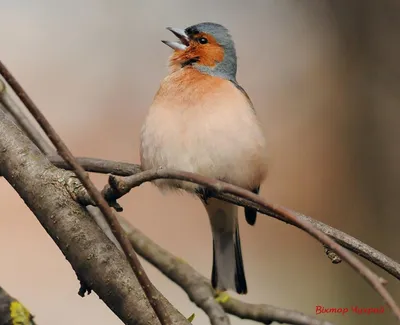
(207, 47)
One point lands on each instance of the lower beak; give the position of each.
(183, 39)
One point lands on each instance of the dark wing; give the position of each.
(251, 214)
(243, 92)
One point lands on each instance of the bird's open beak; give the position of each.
(183, 39)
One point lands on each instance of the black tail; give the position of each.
(221, 278)
(251, 214)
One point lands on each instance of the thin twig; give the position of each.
(119, 233)
(200, 291)
(353, 244)
(345, 240)
(124, 184)
(23, 121)
(100, 166)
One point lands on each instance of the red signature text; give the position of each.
(352, 309)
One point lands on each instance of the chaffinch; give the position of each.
(202, 121)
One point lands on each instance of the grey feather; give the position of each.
(228, 269)
(228, 67)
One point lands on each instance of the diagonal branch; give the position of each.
(20, 116)
(122, 185)
(44, 189)
(23, 121)
(200, 291)
(118, 232)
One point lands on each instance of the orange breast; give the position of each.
(187, 88)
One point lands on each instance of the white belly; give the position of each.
(219, 139)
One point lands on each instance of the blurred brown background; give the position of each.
(325, 80)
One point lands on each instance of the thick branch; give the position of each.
(12, 311)
(148, 288)
(98, 262)
(200, 291)
(20, 117)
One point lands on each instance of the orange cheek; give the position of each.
(211, 55)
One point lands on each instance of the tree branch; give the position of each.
(20, 116)
(102, 166)
(43, 187)
(200, 291)
(12, 311)
(23, 121)
(101, 203)
(121, 185)
(345, 240)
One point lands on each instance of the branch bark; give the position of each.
(44, 189)
(21, 117)
(148, 288)
(200, 291)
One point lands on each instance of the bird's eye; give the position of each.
(203, 40)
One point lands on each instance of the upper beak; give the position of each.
(183, 39)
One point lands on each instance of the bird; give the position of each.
(202, 121)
